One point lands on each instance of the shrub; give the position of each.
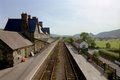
(109, 74)
(114, 50)
(96, 54)
(69, 40)
(108, 45)
(109, 55)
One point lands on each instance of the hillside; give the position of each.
(109, 34)
(1, 29)
(78, 35)
(55, 35)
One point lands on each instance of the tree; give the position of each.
(89, 39)
(93, 44)
(108, 45)
(84, 36)
(69, 40)
(96, 54)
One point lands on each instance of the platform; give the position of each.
(26, 70)
(89, 71)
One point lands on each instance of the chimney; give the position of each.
(34, 17)
(41, 24)
(24, 24)
(29, 16)
(24, 16)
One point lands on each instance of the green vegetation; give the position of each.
(109, 55)
(89, 39)
(68, 39)
(108, 45)
(113, 42)
(96, 54)
(114, 50)
(109, 74)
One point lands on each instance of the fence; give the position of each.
(109, 71)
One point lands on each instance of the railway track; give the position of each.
(58, 67)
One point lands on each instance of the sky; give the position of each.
(66, 17)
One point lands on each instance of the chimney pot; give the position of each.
(41, 24)
(29, 16)
(24, 24)
(24, 16)
(34, 18)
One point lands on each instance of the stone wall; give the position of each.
(6, 57)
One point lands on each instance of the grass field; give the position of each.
(102, 43)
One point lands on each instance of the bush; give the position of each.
(108, 45)
(69, 40)
(97, 47)
(109, 74)
(109, 55)
(114, 50)
(96, 54)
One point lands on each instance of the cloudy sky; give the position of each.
(66, 17)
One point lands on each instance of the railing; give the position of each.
(108, 70)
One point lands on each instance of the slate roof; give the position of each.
(15, 25)
(14, 40)
(46, 29)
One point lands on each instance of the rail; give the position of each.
(49, 69)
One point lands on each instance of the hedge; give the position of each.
(109, 55)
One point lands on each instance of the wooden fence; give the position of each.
(109, 71)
